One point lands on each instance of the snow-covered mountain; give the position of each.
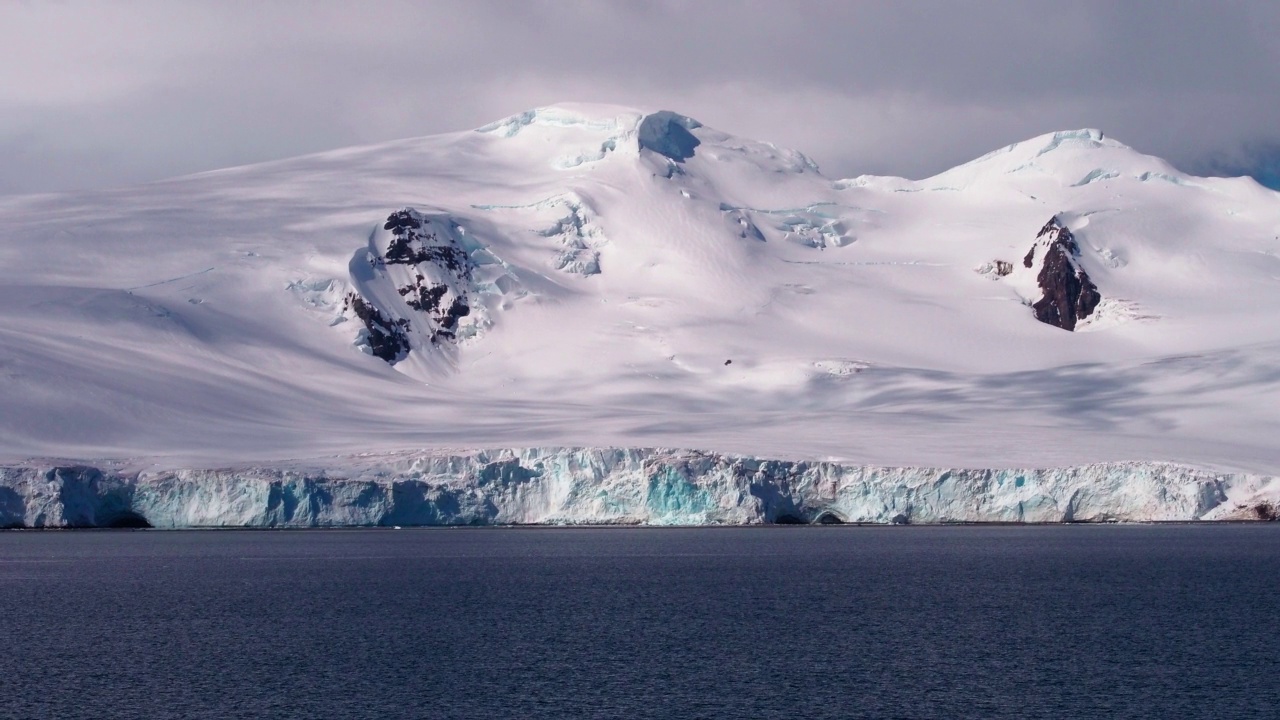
(594, 276)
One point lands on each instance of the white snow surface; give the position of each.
(733, 301)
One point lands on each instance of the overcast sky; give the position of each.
(109, 93)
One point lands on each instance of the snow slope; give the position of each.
(640, 280)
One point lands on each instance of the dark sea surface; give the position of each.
(779, 622)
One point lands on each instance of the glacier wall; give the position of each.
(618, 486)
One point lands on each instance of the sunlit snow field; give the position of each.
(642, 281)
(200, 319)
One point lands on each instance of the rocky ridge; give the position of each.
(1069, 295)
(430, 272)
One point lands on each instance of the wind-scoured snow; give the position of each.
(636, 279)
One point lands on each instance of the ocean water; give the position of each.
(775, 622)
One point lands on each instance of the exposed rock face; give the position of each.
(1069, 294)
(430, 273)
(387, 339)
(410, 245)
(442, 299)
(667, 134)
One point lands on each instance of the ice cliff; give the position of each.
(618, 486)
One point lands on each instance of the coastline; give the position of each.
(621, 487)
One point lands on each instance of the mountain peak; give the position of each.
(590, 116)
(1058, 144)
(667, 134)
(584, 134)
(596, 276)
(1069, 157)
(664, 132)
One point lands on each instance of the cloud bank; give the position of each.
(96, 95)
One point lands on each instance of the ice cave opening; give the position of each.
(829, 518)
(126, 520)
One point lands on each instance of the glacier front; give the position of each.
(612, 486)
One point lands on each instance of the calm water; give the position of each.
(962, 622)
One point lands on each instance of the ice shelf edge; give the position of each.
(619, 486)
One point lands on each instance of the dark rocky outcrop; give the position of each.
(443, 301)
(388, 339)
(1069, 295)
(429, 298)
(430, 271)
(667, 134)
(410, 246)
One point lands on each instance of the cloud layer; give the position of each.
(107, 94)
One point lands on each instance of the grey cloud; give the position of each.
(97, 95)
